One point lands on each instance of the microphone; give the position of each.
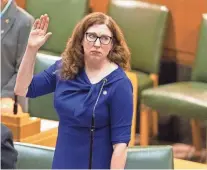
(15, 108)
(92, 129)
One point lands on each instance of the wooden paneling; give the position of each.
(183, 27)
(99, 5)
(21, 3)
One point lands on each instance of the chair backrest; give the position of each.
(133, 78)
(153, 157)
(64, 15)
(150, 157)
(200, 68)
(143, 25)
(43, 106)
(33, 156)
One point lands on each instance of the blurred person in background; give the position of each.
(8, 152)
(16, 25)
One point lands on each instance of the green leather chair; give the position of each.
(64, 15)
(42, 106)
(187, 99)
(152, 157)
(38, 157)
(143, 25)
(33, 156)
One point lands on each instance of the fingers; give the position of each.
(48, 35)
(42, 20)
(42, 23)
(36, 23)
(46, 24)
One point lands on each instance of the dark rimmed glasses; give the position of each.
(104, 39)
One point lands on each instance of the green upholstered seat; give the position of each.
(187, 99)
(49, 53)
(64, 15)
(144, 26)
(43, 106)
(151, 157)
(33, 156)
(40, 157)
(200, 66)
(144, 81)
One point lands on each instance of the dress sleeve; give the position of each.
(43, 82)
(121, 110)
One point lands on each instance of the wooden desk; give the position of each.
(183, 164)
(47, 135)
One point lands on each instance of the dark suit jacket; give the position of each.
(8, 152)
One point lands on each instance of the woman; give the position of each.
(92, 94)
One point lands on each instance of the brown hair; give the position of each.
(72, 57)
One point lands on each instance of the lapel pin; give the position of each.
(7, 21)
(104, 92)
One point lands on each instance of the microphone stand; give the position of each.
(15, 108)
(92, 129)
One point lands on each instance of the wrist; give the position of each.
(31, 49)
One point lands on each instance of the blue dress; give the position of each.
(74, 101)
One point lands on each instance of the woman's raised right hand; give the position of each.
(38, 35)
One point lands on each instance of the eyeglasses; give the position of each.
(104, 39)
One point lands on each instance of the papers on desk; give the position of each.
(47, 124)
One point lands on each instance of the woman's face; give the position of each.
(97, 42)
